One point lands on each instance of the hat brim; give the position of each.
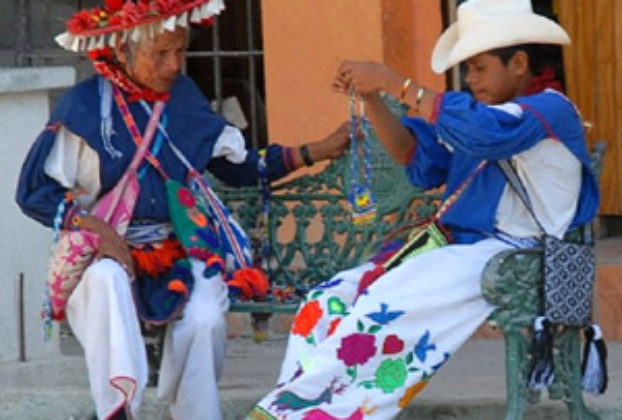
(453, 48)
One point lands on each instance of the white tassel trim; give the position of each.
(170, 23)
(195, 16)
(182, 21)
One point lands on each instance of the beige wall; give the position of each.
(305, 40)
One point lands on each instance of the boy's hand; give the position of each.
(366, 77)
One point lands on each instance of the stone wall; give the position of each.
(24, 247)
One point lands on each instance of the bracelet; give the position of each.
(420, 93)
(76, 220)
(306, 156)
(405, 87)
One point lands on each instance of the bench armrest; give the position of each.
(512, 281)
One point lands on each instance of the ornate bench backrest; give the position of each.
(310, 231)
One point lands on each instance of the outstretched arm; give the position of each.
(367, 79)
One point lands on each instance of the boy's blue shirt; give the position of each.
(475, 131)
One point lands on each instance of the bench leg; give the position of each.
(516, 367)
(567, 384)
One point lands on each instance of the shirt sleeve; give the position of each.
(427, 167)
(237, 173)
(58, 162)
(486, 131)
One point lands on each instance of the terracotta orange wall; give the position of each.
(305, 40)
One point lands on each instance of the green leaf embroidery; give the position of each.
(359, 326)
(374, 329)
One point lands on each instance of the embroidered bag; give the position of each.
(569, 268)
(206, 228)
(75, 250)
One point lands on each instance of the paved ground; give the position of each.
(471, 386)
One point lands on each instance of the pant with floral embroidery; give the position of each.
(366, 357)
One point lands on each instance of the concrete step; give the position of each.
(471, 386)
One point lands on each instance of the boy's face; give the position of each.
(493, 82)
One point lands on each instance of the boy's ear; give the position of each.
(519, 63)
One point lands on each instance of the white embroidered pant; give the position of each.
(366, 358)
(103, 317)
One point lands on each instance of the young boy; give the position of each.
(357, 352)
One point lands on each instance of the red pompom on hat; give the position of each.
(119, 20)
(114, 5)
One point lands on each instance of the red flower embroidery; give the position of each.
(185, 197)
(392, 344)
(357, 348)
(307, 318)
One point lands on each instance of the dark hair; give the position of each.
(540, 56)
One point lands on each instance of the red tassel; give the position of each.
(252, 283)
(178, 286)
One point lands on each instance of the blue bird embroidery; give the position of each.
(423, 346)
(384, 317)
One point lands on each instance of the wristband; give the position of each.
(306, 156)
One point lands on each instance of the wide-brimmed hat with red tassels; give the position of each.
(121, 20)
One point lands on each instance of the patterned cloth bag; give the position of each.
(75, 250)
(207, 229)
(569, 268)
(569, 273)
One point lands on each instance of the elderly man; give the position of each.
(138, 51)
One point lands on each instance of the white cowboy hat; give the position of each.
(484, 25)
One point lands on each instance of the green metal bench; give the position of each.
(512, 281)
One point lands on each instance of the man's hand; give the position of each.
(332, 146)
(111, 244)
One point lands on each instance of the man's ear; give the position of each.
(519, 63)
(121, 51)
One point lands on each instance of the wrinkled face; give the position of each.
(157, 61)
(494, 82)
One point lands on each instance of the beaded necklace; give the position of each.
(361, 197)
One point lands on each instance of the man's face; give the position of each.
(158, 60)
(491, 81)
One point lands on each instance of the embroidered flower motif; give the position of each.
(185, 197)
(333, 326)
(390, 375)
(392, 344)
(197, 217)
(307, 318)
(357, 348)
(336, 306)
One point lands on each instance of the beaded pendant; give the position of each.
(361, 198)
